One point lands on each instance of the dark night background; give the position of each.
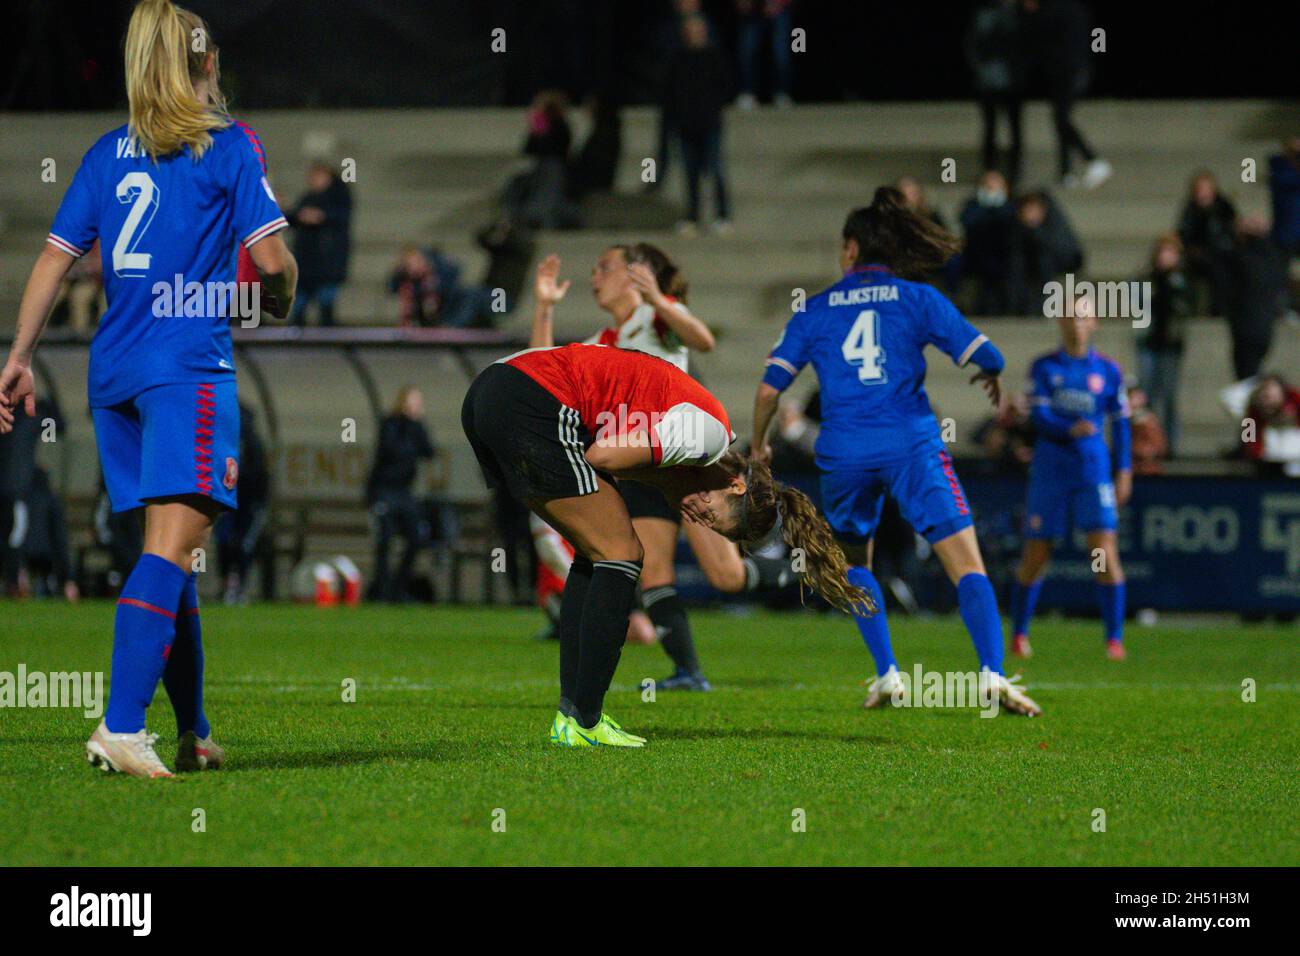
(66, 54)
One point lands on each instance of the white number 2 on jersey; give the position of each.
(861, 348)
(139, 190)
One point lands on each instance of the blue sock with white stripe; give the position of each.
(873, 628)
(979, 612)
(1111, 597)
(143, 632)
(1024, 598)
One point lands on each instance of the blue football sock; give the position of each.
(183, 676)
(873, 628)
(1024, 598)
(1111, 598)
(979, 612)
(142, 637)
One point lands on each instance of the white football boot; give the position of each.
(126, 753)
(882, 690)
(198, 753)
(1014, 698)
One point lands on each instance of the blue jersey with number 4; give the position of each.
(866, 338)
(167, 232)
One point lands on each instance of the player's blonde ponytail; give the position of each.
(167, 51)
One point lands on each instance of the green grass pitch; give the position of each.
(453, 707)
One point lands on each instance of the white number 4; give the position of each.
(861, 348)
(139, 190)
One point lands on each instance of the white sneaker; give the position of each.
(1098, 172)
(687, 229)
(783, 101)
(1014, 698)
(882, 690)
(722, 227)
(747, 101)
(126, 753)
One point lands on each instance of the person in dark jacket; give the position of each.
(1043, 247)
(17, 476)
(403, 443)
(322, 222)
(988, 220)
(995, 53)
(1059, 33)
(1207, 228)
(1160, 344)
(1258, 273)
(44, 547)
(1284, 188)
(538, 197)
(698, 89)
(594, 167)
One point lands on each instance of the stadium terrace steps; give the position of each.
(431, 177)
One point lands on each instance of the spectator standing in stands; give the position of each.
(596, 164)
(996, 57)
(1206, 228)
(1043, 247)
(43, 549)
(1284, 186)
(1160, 344)
(239, 532)
(668, 41)
(698, 81)
(755, 16)
(988, 221)
(17, 479)
(322, 223)
(403, 443)
(538, 197)
(1258, 273)
(1060, 34)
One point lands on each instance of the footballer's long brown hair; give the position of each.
(802, 527)
(167, 52)
(891, 235)
(667, 273)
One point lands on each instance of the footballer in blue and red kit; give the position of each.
(162, 375)
(1073, 392)
(162, 372)
(866, 338)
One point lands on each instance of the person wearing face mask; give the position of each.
(987, 220)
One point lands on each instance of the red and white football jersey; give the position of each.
(648, 333)
(621, 391)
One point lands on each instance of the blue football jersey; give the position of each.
(866, 338)
(1063, 390)
(167, 231)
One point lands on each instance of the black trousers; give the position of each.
(1068, 138)
(991, 104)
(397, 515)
